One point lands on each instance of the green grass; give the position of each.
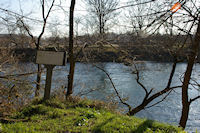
(55, 116)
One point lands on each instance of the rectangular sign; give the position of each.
(51, 58)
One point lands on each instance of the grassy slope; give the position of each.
(83, 116)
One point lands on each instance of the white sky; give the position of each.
(32, 9)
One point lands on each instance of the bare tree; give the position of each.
(77, 22)
(187, 77)
(101, 11)
(38, 40)
(137, 16)
(71, 50)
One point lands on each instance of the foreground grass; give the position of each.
(55, 116)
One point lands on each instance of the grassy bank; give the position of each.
(55, 116)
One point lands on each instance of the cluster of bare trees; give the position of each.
(102, 13)
(144, 16)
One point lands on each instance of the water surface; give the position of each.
(152, 75)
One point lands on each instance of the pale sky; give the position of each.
(58, 17)
(32, 9)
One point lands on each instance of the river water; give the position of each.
(152, 75)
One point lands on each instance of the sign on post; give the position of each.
(50, 59)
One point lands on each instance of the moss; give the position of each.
(55, 116)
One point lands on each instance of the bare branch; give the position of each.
(193, 99)
(160, 100)
(138, 81)
(172, 73)
(27, 29)
(113, 87)
(45, 21)
(131, 5)
(43, 11)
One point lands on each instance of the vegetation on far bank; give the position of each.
(159, 48)
(78, 115)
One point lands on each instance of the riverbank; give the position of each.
(78, 115)
(111, 48)
(105, 54)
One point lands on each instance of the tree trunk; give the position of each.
(187, 77)
(38, 81)
(100, 24)
(184, 115)
(71, 54)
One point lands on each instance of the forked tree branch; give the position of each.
(44, 21)
(148, 99)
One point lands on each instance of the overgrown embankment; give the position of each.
(106, 54)
(113, 47)
(55, 116)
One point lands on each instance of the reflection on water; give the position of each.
(153, 75)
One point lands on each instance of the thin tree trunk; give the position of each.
(71, 54)
(37, 43)
(38, 81)
(103, 27)
(100, 24)
(187, 77)
(185, 113)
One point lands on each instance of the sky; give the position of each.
(32, 9)
(57, 22)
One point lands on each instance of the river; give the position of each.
(152, 75)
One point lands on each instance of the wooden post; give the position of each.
(47, 90)
(50, 59)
